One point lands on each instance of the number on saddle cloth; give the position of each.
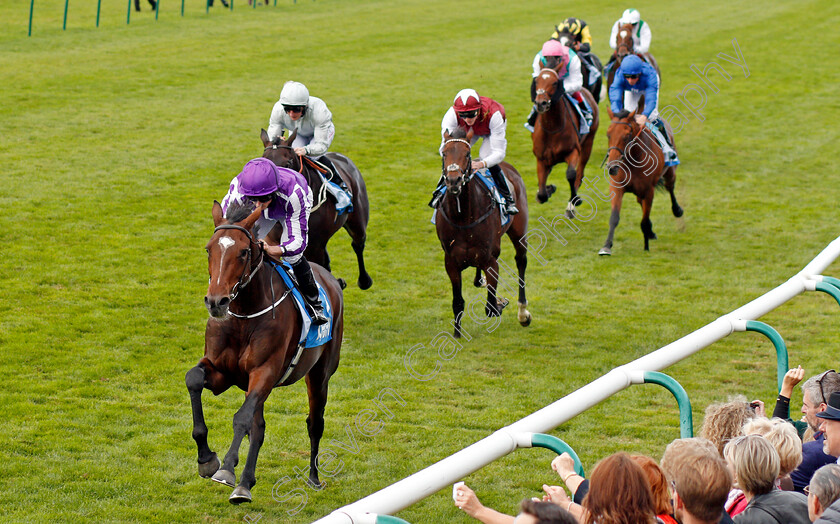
(310, 335)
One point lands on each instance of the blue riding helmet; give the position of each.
(258, 178)
(631, 65)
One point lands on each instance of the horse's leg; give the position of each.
(316, 387)
(670, 178)
(454, 273)
(259, 386)
(615, 215)
(359, 237)
(521, 257)
(647, 225)
(479, 281)
(242, 492)
(208, 462)
(494, 307)
(574, 179)
(544, 191)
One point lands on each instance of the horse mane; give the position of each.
(238, 211)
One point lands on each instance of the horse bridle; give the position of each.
(621, 151)
(283, 146)
(246, 277)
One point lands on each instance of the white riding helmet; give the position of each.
(294, 94)
(630, 16)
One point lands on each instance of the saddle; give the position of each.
(333, 183)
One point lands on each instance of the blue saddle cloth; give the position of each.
(487, 179)
(310, 335)
(343, 202)
(668, 152)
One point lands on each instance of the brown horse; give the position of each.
(324, 221)
(251, 342)
(636, 165)
(556, 137)
(624, 47)
(470, 228)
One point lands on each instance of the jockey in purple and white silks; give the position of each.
(290, 201)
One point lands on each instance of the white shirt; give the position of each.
(641, 43)
(316, 124)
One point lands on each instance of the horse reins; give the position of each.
(243, 280)
(542, 92)
(466, 176)
(621, 151)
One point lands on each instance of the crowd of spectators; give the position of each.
(744, 468)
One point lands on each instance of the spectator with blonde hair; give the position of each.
(725, 421)
(755, 465)
(785, 440)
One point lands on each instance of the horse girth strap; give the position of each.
(471, 225)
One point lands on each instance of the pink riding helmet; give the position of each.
(555, 48)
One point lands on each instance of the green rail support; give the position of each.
(66, 5)
(128, 13)
(98, 8)
(829, 280)
(31, 8)
(157, 8)
(778, 343)
(182, 8)
(830, 289)
(541, 440)
(388, 519)
(686, 424)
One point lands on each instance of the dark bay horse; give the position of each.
(324, 221)
(470, 229)
(637, 166)
(556, 138)
(624, 47)
(251, 342)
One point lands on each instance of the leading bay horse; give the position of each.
(324, 220)
(636, 165)
(251, 341)
(469, 226)
(556, 137)
(623, 47)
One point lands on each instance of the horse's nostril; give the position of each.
(613, 170)
(224, 301)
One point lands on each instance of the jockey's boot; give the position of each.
(437, 195)
(309, 290)
(532, 119)
(332, 174)
(501, 185)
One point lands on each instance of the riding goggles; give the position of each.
(632, 77)
(293, 109)
(469, 114)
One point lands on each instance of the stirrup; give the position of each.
(318, 316)
(435, 201)
(511, 209)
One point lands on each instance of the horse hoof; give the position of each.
(542, 198)
(315, 483)
(526, 322)
(550, 189)
(457, 333)
(210, 467)
(364, 282)
(342, 283)
(678, 211)
(652, 236)
(480, 282)
(605, 251)
(240, 494)
(225, 477)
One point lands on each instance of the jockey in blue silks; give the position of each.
(634, 79)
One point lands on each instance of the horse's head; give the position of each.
(566, 38)
(456, 160)
(233, 256)
(546, 89)
(280, 151)
(623, 41)
(623, 128)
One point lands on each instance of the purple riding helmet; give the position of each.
(258, 178)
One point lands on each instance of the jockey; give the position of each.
(641, 31)
(577, 28)
(309, 116)
(634, 79)
(486, 117)
(555, 55)
(290, 200)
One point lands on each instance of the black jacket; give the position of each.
(776, 507)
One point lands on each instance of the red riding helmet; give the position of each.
(466, 100)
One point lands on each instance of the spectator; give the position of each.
(137, 5)
(831, 425)
(784, 439)
(725, 421)
(824, 490)
(755, 465)
(619, 493)
(815, 391)
(531, 511)
(700, 481)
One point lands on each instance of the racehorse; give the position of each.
(251, 341)
(469, 226)
(637, 166)
(556, 137)
(568, 39)
(324, 220)
(624, 47)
